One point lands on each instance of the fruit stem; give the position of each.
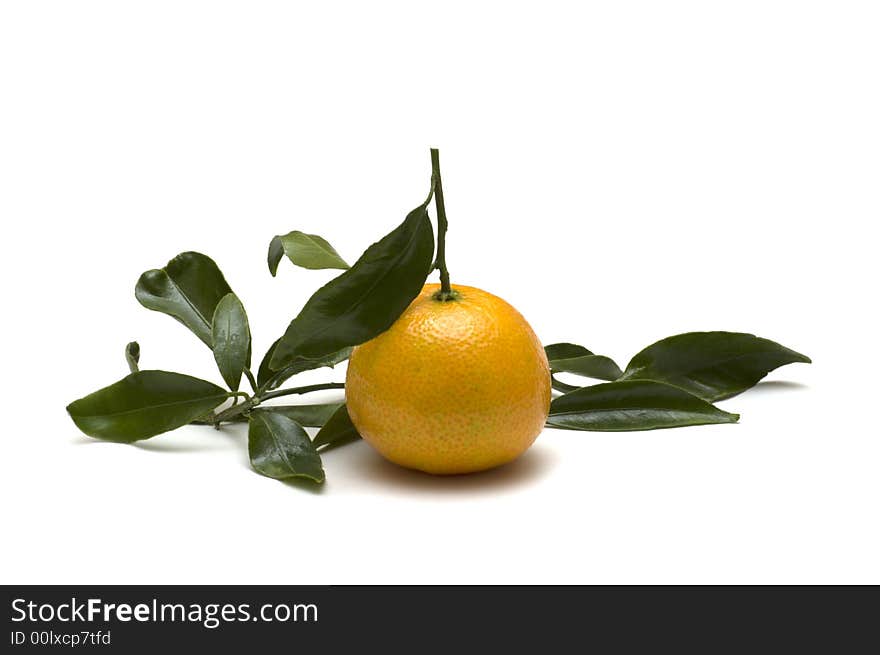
(446, 292)
(301, 390)
(233, 412)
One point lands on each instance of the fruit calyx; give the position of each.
(445, 296)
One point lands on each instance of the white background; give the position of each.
(619, 172)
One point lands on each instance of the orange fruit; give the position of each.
(452, 387)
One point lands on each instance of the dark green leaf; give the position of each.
(188, 289)
(365, 300)
(232, 339)
(298, 366)
(144, 404)
(591, 366)
(264, 374)
(311, 416)
(133, 355)
(337, 431)
(571, 358)
(276, 252)
(306, 250)
(632, 405)
(565, 351)
(711, 365)
(560, 386)
(279, 447)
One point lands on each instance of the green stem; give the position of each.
(236, 410)
(210, 421)
(275, 381)
(251, 380)
(300, 390)
(446, 292)
(231, 413)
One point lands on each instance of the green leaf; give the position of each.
(297, 366)
(311, 416)
(365, 300)
(276, 252)
(338, 430)
(145, 404)
(591, 366)
(133, 355)
(231, 335)
(279, 447)
(305, 250)
(632, 405)
(711, 365)
(565, 351)
(264, 374)
(188, 288)
(571, 358)
(560, 386)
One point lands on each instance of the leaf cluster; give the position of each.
(357, 305)
(671, 383)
